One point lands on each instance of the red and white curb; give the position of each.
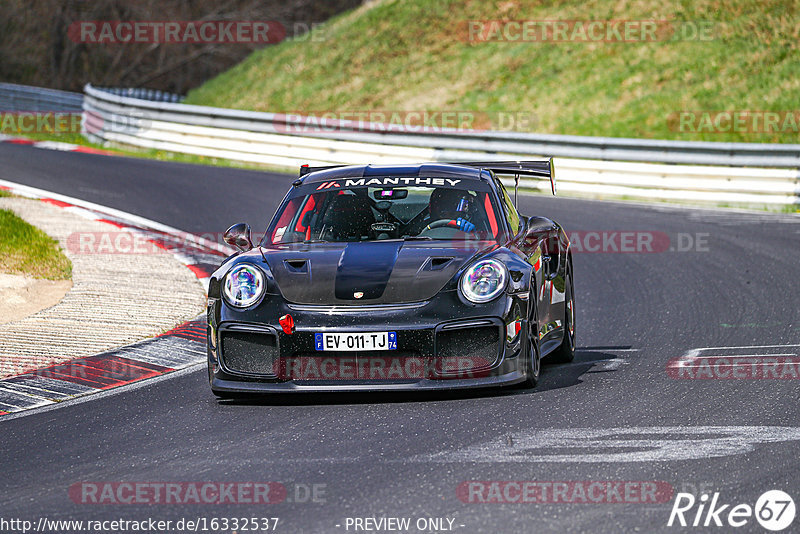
(177, 349)
(54, 145)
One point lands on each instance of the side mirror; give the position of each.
(238, 236)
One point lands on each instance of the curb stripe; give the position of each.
(146, 359)
(177, 349)
(90, 150)
(102, 371)
(51, 387)
(112, 223)
(55, 202)
(198, 271)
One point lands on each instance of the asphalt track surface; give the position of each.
(406, 455)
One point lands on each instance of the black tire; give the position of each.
(533, 361)
(565, 353)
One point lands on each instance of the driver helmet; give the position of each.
(450, 204)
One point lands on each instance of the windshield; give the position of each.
(380, 213)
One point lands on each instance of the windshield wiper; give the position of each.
(418, 238)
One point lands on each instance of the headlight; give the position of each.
(484, 281)
(243, 286)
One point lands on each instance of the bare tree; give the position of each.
(37, 48)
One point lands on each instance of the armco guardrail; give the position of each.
(606, 148)
(263, 138)
(15, 98)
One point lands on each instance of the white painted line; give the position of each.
(686, 365)
(55, 145)
(747, 347)
(604, 363)
(52, 386)
(80, 212)
(740, 356)
(632, 444)
(37, 391)
(25, 392)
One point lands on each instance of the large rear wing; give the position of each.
(542, 169)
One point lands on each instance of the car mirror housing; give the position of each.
(238, 236)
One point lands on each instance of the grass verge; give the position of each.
(24, 249)
(416, 55)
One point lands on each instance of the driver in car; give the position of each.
(451, 208)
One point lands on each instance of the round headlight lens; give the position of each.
(484, 281)
(243, 286)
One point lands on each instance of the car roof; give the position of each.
(415, 170)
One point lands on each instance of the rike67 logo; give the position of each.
(774, 510)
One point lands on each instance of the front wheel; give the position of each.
(533, 363)
(565, 353)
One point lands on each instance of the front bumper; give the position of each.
(237, 386)
(440, 346)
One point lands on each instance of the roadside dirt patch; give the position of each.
(21, 296)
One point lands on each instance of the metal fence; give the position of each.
(603, 167)
(17, 98)
(729, 173)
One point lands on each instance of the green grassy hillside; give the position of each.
(415, 55)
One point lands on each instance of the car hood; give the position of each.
(376, 272)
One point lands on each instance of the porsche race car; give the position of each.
(409, 277)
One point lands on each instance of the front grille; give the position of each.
(466, 349)
(468, 352)
(249, 352)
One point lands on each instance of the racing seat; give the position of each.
(347, 218)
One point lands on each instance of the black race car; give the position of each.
(407, 277)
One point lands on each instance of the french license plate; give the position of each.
(352, 341)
